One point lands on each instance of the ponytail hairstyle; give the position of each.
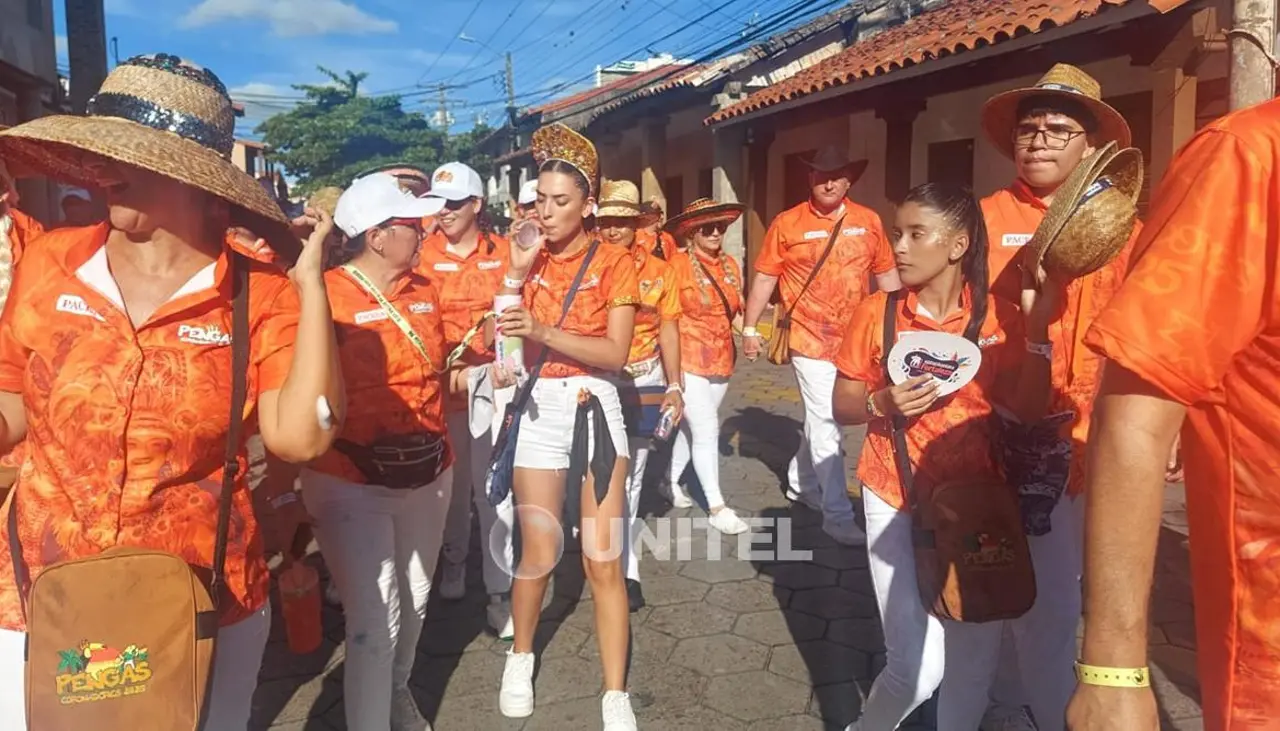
(957, 204)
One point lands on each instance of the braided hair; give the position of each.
(958, 206)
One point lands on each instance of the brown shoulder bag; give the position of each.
(780, 342)
(973, 563)
(125, 640)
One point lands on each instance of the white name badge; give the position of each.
(1016, 239)
(364, 318)
(811, 235)
(446, 266)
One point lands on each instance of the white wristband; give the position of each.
(675, 388)
(1044, 350)
(510, 283)
(750, 332)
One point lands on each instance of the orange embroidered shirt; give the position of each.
(1012, 216)
(610, 281)
(659, 302)
(792, 247)
(650, 242)
(391, 390)
(706, 332)
(1199, 318)
(467, 286)
(126, 427)
(955, 436)
(25, 230)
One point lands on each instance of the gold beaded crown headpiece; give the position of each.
(558, 142)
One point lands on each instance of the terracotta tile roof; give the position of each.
(958, 26)
(594, 94)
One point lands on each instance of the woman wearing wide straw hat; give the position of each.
(579, 348)
(654, 361)
(711, 301)
(126, 327)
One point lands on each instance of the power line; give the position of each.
(474, 9)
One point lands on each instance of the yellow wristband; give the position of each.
(1113, 677)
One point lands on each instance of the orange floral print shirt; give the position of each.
(955, 437)
(1012, 216)
(659, 303)
(391, 390)
(126, 427)
(650, 242)
(610, 281)
(706, 333)
(1199, 319)
(792, 247)
(25, 230)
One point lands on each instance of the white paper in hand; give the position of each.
(952, 360)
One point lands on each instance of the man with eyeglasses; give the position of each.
(793, 250)
(466, 263)
(1048, 130)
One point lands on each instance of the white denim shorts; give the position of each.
(546, 429)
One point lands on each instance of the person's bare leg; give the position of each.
(541, 538)
(603, 531)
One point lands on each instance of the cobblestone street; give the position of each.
(724, 645)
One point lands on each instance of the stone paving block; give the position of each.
(793, 723)
(460, 675)
(839, 703)
(666, 590)
(278, 662)
(798, 575)
(841, 558)
(456, 636)
(756, 696)
(748, 596)
(833, 603)
(779, 627)
(581, 713)
(476, 712)
(860, 634)
(553, 640)
(717, 572)
(720, 655)
(647, 646)
(857, 581)
(690, 620)
(819, 662)
(696, 718)
(664, 687)
(311, 724)
(293, 700)
(565, 679)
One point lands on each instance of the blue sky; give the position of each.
(261, 47)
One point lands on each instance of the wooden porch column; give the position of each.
(756, 223)
(728, 183)
(899, 119)
(1173, 118)
(653, 160)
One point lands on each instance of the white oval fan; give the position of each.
(952, 360)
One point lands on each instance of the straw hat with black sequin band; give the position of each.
(619, 199)
(1092, 215)
(558, 142)
(162, 114)
(1064, 81)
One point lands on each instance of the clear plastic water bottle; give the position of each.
(666, 425)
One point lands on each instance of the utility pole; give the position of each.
(1252, 37)
(443, 119)
(511, 91)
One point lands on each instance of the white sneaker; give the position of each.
(615, 707)
(515, 700)
(679, 498)
(808, 499)
(499, 611)
(453, 581)
(726, 521)
(1007, 718)
(845, 532)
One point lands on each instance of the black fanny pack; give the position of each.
(401, 462)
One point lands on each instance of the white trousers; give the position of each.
(235, 674)
(471, 462)
(381, 546)
(818, 467)
(1037, 660)
(699, 435)
(635, 481)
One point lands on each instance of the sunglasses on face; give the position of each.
(711, 229)
(457, 205)
(410, 223)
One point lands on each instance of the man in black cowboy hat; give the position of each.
(820, 298)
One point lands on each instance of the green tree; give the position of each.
(337, 133)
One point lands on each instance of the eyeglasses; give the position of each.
(1054, 138)
(457, 205)
(711, 229)
(410, 223)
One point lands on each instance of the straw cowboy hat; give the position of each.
(1092, 215)
(164, 115)
(830, 159)
(1000, 113)
(702, 212)
(619, 199)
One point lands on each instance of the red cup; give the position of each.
(300, 607)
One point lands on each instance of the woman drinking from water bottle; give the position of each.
(577, 320)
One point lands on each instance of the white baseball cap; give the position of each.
(456, 182)
(528, 193)
(376, 199)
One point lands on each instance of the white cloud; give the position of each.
(291, 17)
(123, 8)
(260, 88)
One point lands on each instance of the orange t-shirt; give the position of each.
(25, 230)
(659, 302)
(1012, 216)
(706, 332)
(650, 242)
(126, 428)
(467, 286)
(793, 246)
(1199, 319)
(955, 437)
(391, 390)
(610, 281)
